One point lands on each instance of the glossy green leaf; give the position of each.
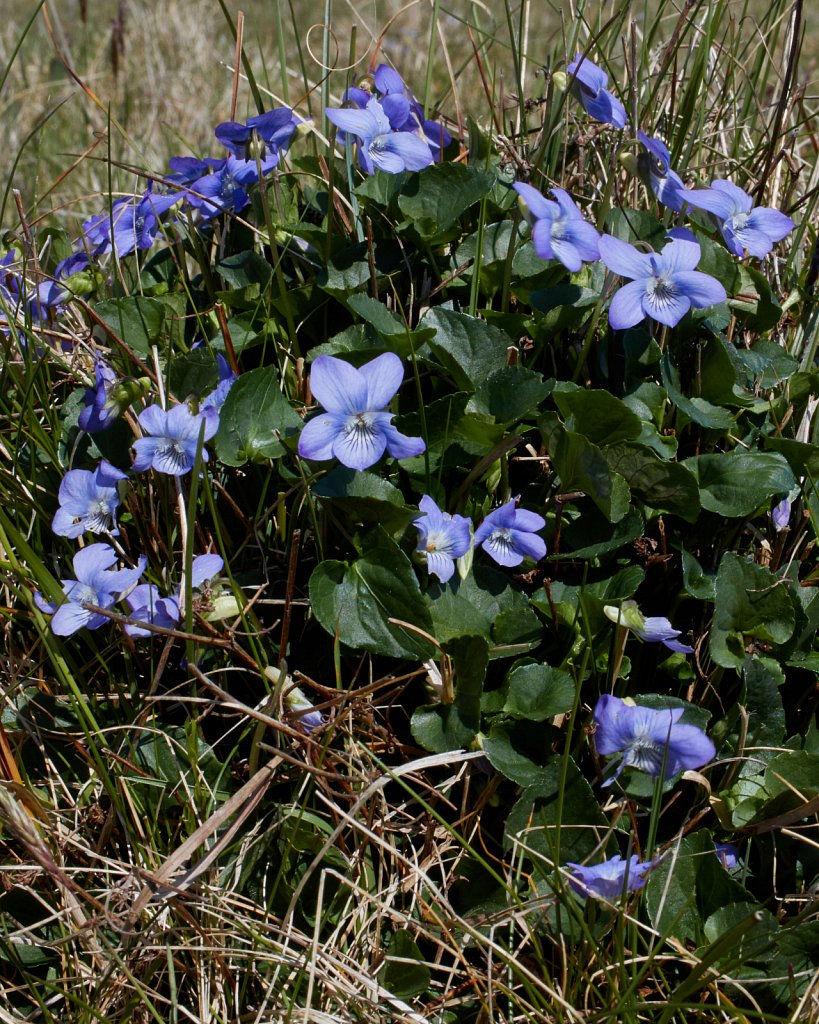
(358, 599)
(254, 416)
(751, 604)
(736, 484)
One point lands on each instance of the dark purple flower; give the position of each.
(356, 429)
(96, 584)
(171, 438)
(646, 739)
(187, 169)
(560, 231)
(442, 538)
(88, 501)
(590, 83)
(743, 226)
(508, 535)
(728, 855)
(664, 286)
(611, 879)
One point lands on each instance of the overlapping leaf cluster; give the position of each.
(464, 452)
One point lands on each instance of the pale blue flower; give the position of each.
(610, 879)
(146, 604)
(743, 226)
(508, 535)
(654, 167)
(654, 629)
(96, 584)
(590, 83)
(380, 146)
(88, 501)
(664, 286)
(442, 538)
(781, 515)
(356, 429)
(646, 739)
(560, 231)
(172, 438)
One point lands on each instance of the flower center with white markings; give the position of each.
(173, 452)
(100, 517)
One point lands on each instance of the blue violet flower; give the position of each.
(88, 501)
(665, 285)
(96, 583)
(356, 429)
(743, 226)
(560, 231)
(380, 146)
(645, 738)
(508, 535)
(172, 438)
(590, 83)
(442, 538)
(610, 879)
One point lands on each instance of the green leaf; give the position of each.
(405, 972)
(517, 750)
(137, 320)
(435, 198)
(736, 484)
(665, 486)
(750, 603)
(254, 409)
(591, 535)
(248, 274)
(687, 886)
(193, 373)
(597, 415)
(696, 582)
(365, 498)
(635, 226)
(582, 466)
(441, 727)
(537, 692)
(349, 270)
(557, 818)
(359, 598)
(698, 410)
(470, 349)
(486, 603)
(509, 394)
